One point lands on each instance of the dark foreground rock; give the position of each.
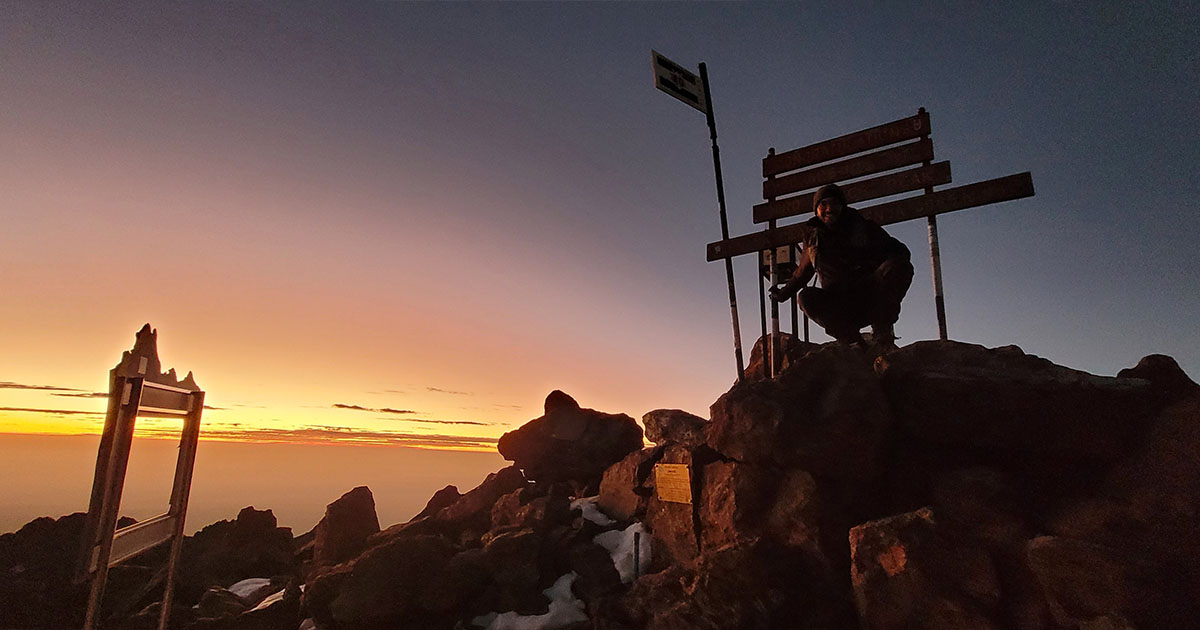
(570, 443)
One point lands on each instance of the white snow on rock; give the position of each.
(270, 599)
(308, 624)
(565, 609)
(251, 590)
(619, 544)
(590, 511)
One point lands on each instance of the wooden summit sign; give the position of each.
(138, 387)
(867, 165)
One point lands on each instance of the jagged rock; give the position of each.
(825, 414)
(37, 563)
(674, 426)
(342, 533)
(908, 574)
(792, 349)
(514, 560)
(1164, 374)
(219, 603)
(383, 587)
(519, 510)
(672, 523)
(473, 511)
(963, 395)
(441, 499)
(228, 551)
(624, 492)
(1093, 584)
(569, 443)
(597, 575)
(732, 503)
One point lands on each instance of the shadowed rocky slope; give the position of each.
(941, 486)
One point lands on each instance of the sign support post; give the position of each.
(680, 83)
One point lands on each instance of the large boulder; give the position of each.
(225, 552)
(907, 573)
(968, 396)
(570, 443)
(384, 587)
(674, 426)
(342, 533)
(624, 488)
(825, 414)
(791, 350)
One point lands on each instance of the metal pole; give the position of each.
(637, 552)
(762, 312)
(712, 132)
(774, 308)
(939, 299)
(935, 258)
(795, 314)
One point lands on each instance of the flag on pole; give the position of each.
(673, 79)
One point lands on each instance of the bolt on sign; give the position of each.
(673, 483)
(138, 387)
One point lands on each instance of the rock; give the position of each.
(733, 503)
(569, 443)
(514, 561)
(825, 414)
(674, 426)
(518, 510)
(228, 551)
(908, 574)
(597, 575)
(465, 578)
(441, 499)
(1093, 584)
(793, 350)
(625, 487)
(473, 511)
(383, 587)
(343, 532)
(672, 524)
(219, 603)
(963, 395)
(1164, 374)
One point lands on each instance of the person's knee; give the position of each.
(895, 276)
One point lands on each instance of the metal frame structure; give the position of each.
(859, 158)
(138, 388)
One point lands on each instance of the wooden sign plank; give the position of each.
(133, 540)
(935, 174)
(982, 193)
(849, 144)
(673, 483)
(958, 198)
(885, 160)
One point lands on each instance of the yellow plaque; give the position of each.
(673, 482)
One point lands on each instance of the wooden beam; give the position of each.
(958, 198)
(982, 193)
(918, 178)
(849, 144)
(885, 160)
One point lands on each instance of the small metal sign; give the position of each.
(673, 79)
(673, 482)
(783, 260)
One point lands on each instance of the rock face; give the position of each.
(342, 534)
(252, 545)
(570, 443)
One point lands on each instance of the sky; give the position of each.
(407, 223)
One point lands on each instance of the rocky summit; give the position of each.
(939, 486)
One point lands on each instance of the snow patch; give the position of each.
(565, 609)
(270, 599)
(590, 511)
(619, 544)
(250, 590)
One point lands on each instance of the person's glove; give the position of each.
(777, 293)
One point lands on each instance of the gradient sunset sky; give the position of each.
(407, 223)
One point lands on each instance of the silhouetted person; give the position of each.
(864, 272)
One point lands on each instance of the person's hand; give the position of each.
(778, 293)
